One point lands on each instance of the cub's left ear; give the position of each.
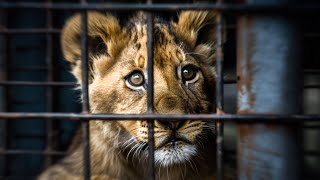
(105, 36)
(197, 30)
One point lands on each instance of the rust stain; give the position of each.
(245, 66)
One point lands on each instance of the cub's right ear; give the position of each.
(103, 34)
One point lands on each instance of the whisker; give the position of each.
(131, 151)
(196, 54)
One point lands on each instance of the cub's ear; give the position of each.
(197, 30)
(103, 34)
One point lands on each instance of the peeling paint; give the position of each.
(268, 83)
(243, 99)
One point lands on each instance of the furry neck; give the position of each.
(108, 158)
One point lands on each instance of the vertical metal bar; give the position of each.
(9, 61)
(85, 95)
(84, 60)
(150, 90)
(49, 93)
(3, 95)
(219, 93)
(269, 82)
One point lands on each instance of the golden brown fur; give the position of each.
(184, 78)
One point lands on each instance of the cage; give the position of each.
(271, 124)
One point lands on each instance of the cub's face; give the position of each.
(183, 79)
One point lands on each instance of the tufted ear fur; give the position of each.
(105, 36)
(197, 30)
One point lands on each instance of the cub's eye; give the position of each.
(189, 73)
(135, 79)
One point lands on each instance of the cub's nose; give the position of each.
(169, 104)
(171, 124)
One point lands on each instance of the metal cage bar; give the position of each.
(238, 118)
(34, 83)
(50, 141)
(4, 98)
(30, 30)
(150, 93)
(219, 93)
(228, 8)
(57, 83)
(85, 94)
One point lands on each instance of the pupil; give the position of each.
(136, 79)
(187, 73)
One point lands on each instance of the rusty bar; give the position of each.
(219, 93)
(267, 54)
(30, 30)
(85, 95)
(231, 8)
(50, 144)
(150, 93)
(33, 83)
(239, 118)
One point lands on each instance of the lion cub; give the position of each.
(184, 78)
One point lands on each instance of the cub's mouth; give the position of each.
(174, 149)
(174, 141)
(174, 152)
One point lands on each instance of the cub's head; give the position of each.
(183, 80)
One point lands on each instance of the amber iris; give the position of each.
(188, 73)
(136, 78)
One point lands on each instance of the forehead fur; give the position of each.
(167, 49)
(110, 43)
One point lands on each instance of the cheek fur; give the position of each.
(113, 97)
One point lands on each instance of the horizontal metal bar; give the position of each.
(30, 31)
(17, 177)
(234, 8)
(312, 86)
(33, 83)
(58, 31)
(231, 152)
(32, 152)
(311, 153)
(234, 81)
(245, 118)
(28, 68)
(311, 35)
(311, 71)
(312, 127)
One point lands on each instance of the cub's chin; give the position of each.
(174, 153)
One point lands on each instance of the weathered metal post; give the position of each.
(269, 82)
